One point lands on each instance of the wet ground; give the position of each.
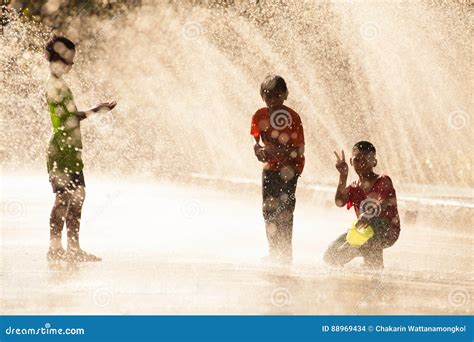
(176, 249)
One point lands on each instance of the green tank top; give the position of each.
(65, 146)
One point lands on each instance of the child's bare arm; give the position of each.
(102, 107)
(341, 166)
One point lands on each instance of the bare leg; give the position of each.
(272, 238)
(73, 223)
(373, 254)
(57, 218)
(56, 224)
(340, 252)
(285, 230)
(278, 206)
(270, 202)
(73, 217)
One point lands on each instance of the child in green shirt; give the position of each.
(64, 160)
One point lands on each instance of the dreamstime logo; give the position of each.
(307, 4)
(458, 119)
(191, 209)
(109, 199)
(369, 30)
(103, 297)
(105, 123)
(14, 208)
(192, 30)
(370, 207)
(47, 329)
(281, 119)
(458, 297)
(100, 32)
(281, 297)
(284, 201)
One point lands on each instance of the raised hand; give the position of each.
(341, 164)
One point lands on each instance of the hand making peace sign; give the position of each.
(341, 164)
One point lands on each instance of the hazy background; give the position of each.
(173, 200)
(186, 76)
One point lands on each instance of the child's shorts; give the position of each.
(66, 182)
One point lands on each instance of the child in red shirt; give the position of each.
(280, 130)
(375, 203)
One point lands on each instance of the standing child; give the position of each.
(64, 154)
(375, 203)
(280, 130)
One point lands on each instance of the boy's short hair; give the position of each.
(52, 54)
(365, 147)
(273, 82)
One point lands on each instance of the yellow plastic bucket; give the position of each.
(357, 237)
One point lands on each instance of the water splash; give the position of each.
(187, 77)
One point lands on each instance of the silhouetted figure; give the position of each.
(280, 130)
(375, 203)
(64, 154)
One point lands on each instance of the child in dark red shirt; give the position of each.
(280, 130)
(375, 203)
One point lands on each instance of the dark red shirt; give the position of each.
(381, 199)
(282, 128)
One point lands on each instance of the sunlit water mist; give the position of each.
(187, 80)
(182, 249)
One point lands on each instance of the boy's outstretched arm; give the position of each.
(341, 166)
(102, 107)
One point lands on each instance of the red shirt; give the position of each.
(381, 198)
(281, 128)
